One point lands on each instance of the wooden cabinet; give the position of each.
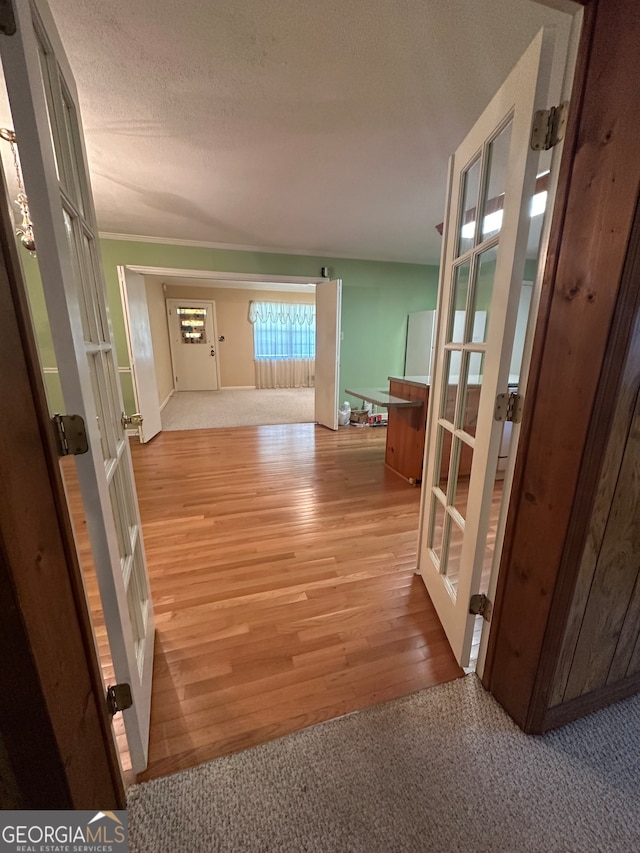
(406, 430)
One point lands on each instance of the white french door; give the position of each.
(492, 181)
(44, 108)
(328, 324)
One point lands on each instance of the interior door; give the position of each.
(328, 313)
(193, 344)
(141, 357)
(492, 182)
(43, 102)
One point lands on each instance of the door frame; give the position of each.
(259, 281)
(549, 512)
(192, 303)
(571, 72)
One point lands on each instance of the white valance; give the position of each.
(292, 313)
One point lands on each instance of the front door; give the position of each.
(492, 181)
(193, 344)
(44, 108)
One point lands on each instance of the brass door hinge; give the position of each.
(509, 407)
(480, 606)
(549, 127)
(70, 435)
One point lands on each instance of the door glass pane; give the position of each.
(459, 304)
(92, 288)
(442, 460)
(493, 206)
(112, 396)
(71, 147)
(77, 276)
(192, 322)
(472, 390)
(46, 85)
(436, 526)
(460, 495)
(483, 293)
(450, 388)
(454, 538)
(119, 516)
(135, 614)
(143, 586)
(471, 186)
(100, 409)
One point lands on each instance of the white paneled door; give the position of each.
(492, 180)
(44, 107)
(141, 356)
(192, 337)
(328, 322)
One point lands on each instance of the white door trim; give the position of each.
(221, 275)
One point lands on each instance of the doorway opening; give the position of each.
(248, 358)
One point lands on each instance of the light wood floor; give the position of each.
(282, 566)
(282, 571)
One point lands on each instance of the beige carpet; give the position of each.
(442, 770)
(234, 408)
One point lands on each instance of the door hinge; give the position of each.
(548, 127)
(480, 606)
(119, 698)
(70, 435)
(7, 18)
(509, 407)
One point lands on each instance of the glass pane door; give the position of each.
(483, 260)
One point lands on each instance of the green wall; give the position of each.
(376, 299)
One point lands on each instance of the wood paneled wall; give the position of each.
(542, 605)
(601, 644)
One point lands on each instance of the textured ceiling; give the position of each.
(319, 126)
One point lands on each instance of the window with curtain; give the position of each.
(283, 330)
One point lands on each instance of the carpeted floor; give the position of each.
(441, 770)
(242, 407)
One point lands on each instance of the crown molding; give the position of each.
(223, 276)
(236, 247)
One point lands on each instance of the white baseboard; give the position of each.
(237, 387)
(169, 396)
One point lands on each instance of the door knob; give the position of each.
(131, 420)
